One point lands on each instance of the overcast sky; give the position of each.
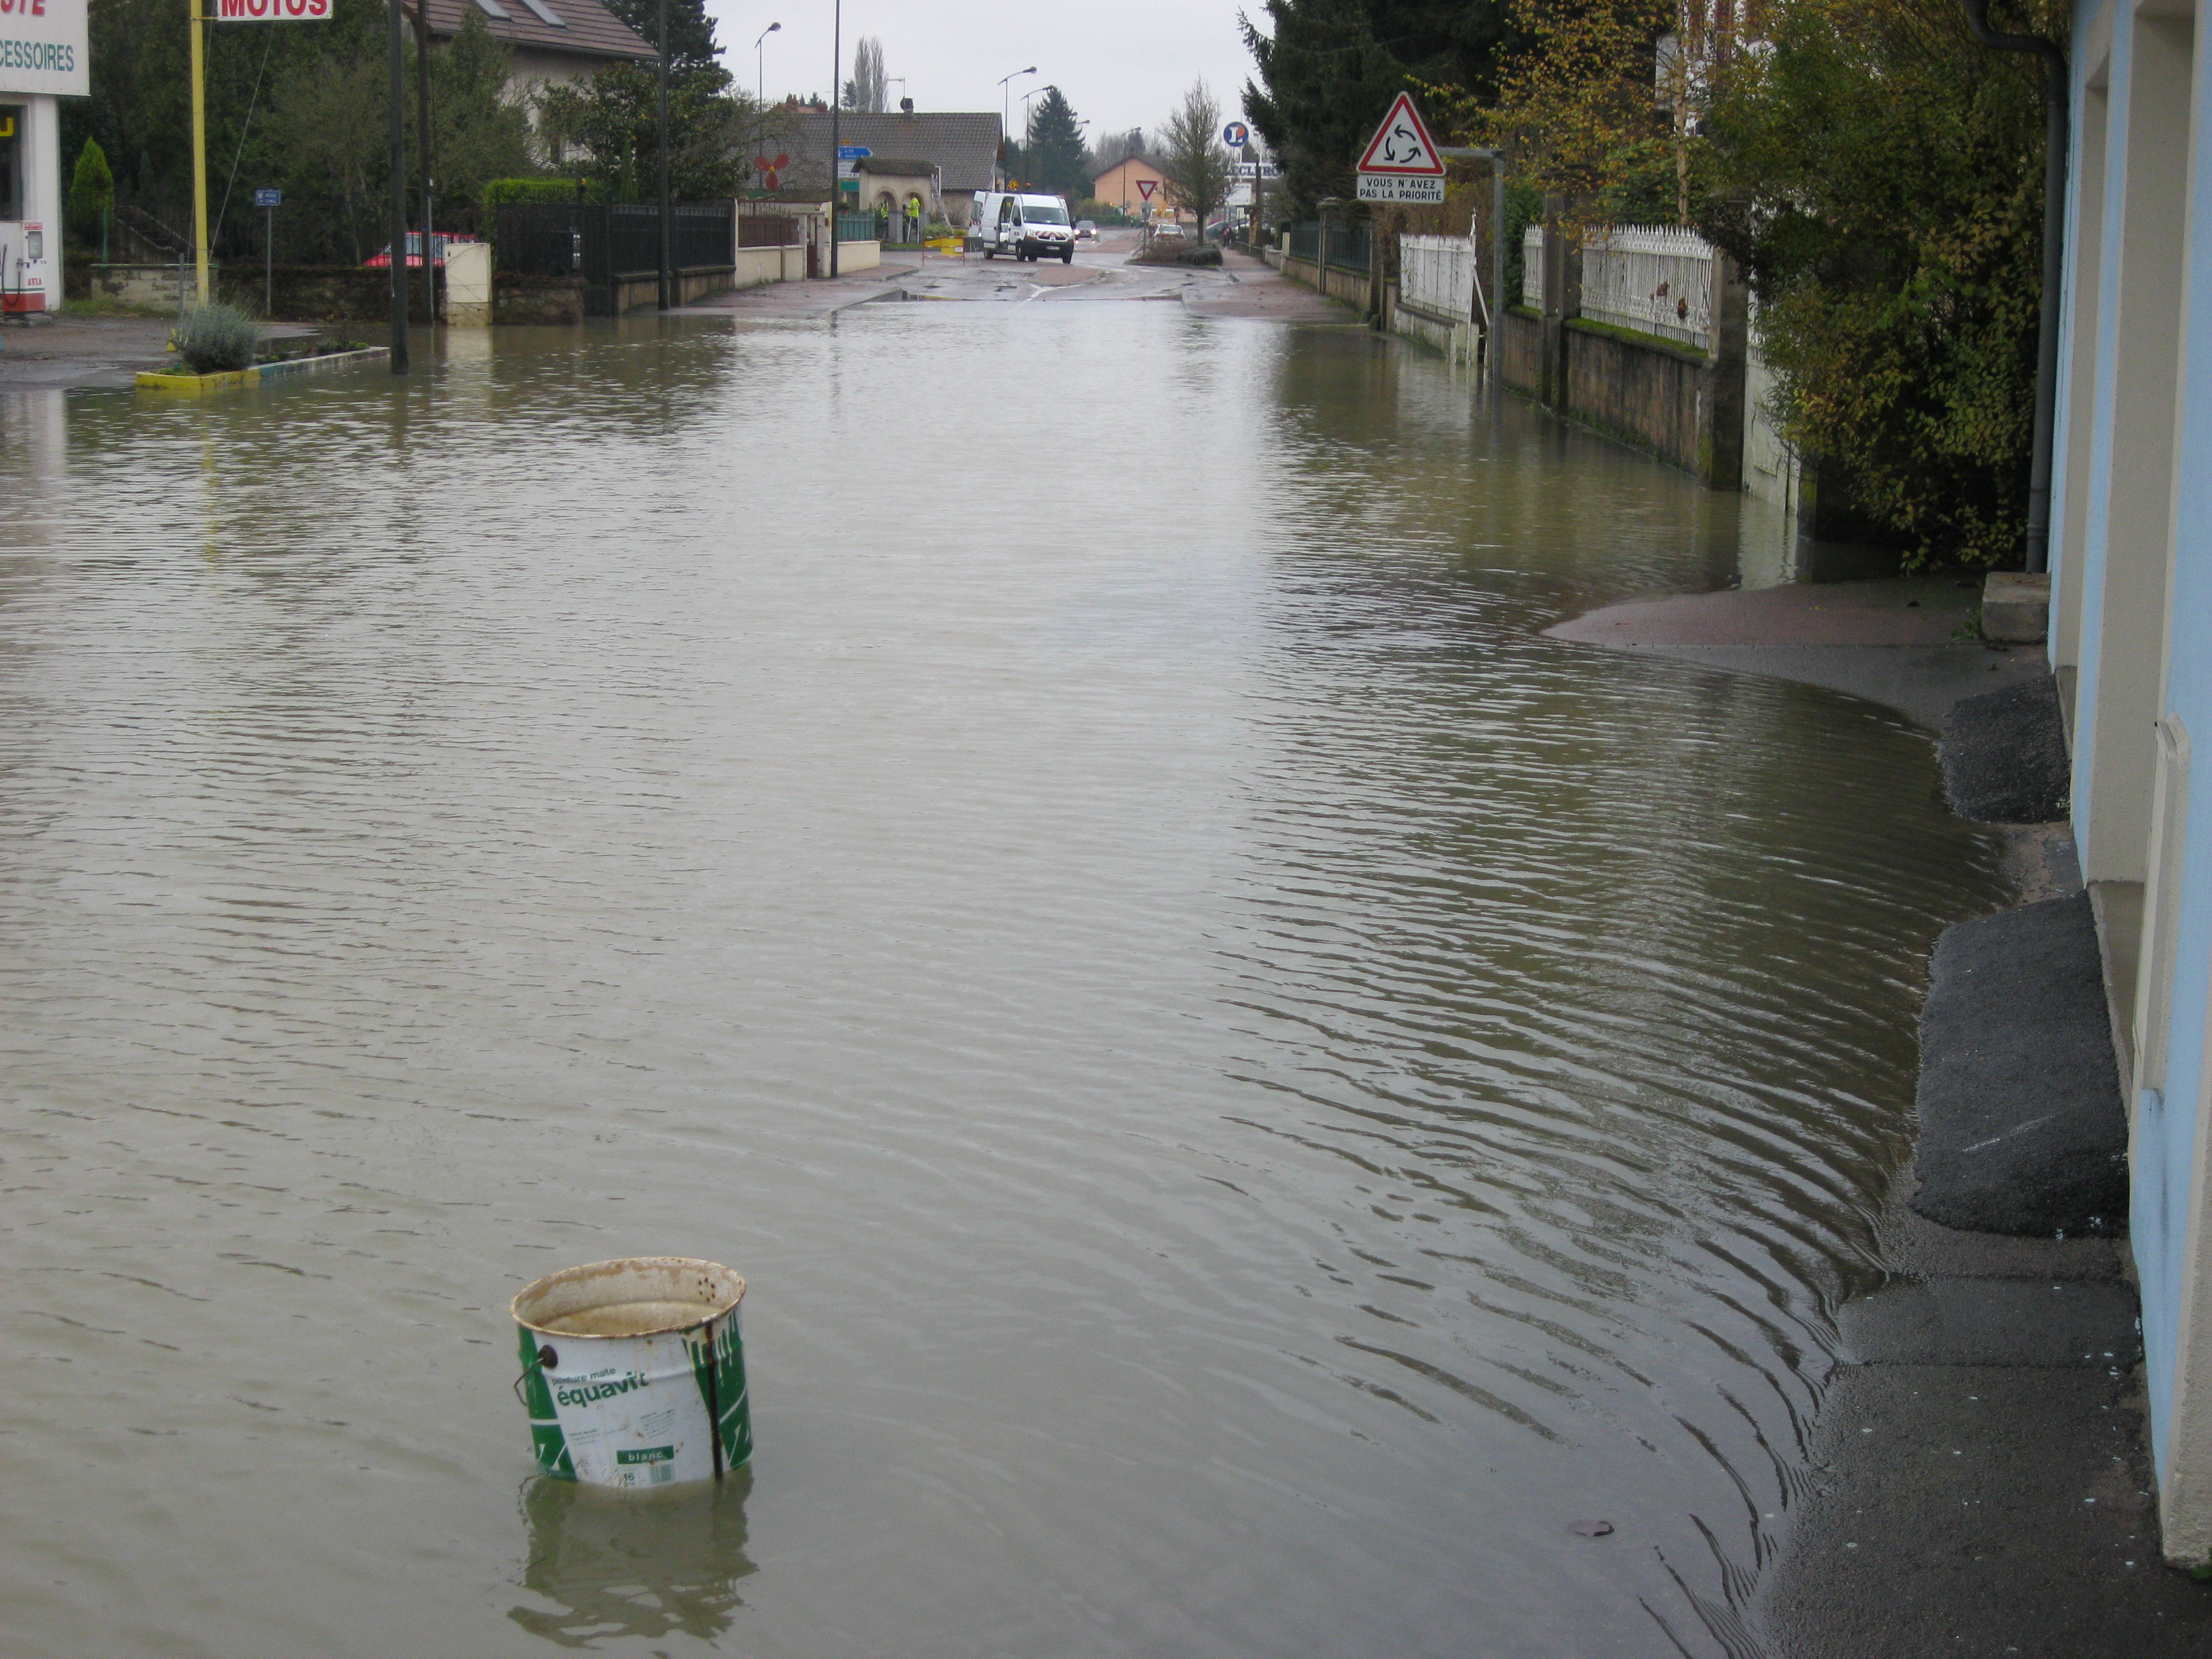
(1121, 65)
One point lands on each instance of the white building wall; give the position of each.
(31, 246)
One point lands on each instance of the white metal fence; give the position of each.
(1656, 281)
(1438, 273)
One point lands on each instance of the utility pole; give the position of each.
(422, 137)
(398, 215)
(199, 159)
(837, 134)
(667, 264)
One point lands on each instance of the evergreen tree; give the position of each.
(692, 44)
(1329, 68)
(91, 193)
(613, 119)
(1054, 159)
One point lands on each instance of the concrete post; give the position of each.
(1376, 317)
(1720, 444)
(1562, 298)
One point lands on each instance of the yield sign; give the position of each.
(1402, 145)
(1147, 186)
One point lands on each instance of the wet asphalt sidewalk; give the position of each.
(73, 349)
(1982, 1479)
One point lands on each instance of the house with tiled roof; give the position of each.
(548, 40)
(960, 148)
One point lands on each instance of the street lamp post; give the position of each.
(760, 69)
(396, 213)
(1006, 103)
(667, 262)
(837, 132)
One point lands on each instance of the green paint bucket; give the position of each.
(633, 1372)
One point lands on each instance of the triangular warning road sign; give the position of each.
(1147, 186)
(1402, 145)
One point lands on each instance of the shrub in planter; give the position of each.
(212, 339)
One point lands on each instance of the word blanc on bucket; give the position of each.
(633, 1371)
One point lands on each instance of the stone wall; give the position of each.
(1647, 392)
(537, 300)
(1665, 398)
(1520, 350)
(1349, 286)
(291, 294)
(148, 287)
(325, 294)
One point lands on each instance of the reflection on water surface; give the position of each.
(1253, 1093)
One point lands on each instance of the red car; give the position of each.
(381, 259)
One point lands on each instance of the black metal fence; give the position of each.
(606, 244)
(1344, 247)
(1349, 247)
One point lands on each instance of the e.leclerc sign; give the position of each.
(42, 47)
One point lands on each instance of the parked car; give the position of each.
(1086, 230)
(1166, 228)
(381, 259)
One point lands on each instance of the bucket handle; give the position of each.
(537, 1362)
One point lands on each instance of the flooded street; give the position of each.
(1254, 1094)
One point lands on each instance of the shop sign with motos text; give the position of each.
(267, 11)
(42, 47)
(1401, 163)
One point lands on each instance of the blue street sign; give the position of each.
(268, 198)
(853, 152)
(1236, 135)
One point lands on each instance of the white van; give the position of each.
(1027, 227)
(984, 222)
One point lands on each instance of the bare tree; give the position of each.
(1114, 147)
(869, 88)
(1198, 170)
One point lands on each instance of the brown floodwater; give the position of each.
(1257, 1098)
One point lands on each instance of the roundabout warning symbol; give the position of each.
(1401, 163)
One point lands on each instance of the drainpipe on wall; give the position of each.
(2056, 129)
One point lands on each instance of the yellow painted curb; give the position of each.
(201, 386)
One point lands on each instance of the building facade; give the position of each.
(550, 42)
(1122, 183)
(2130, 642)
(959, 149)
(43, 59)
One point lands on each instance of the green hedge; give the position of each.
(500, 192)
